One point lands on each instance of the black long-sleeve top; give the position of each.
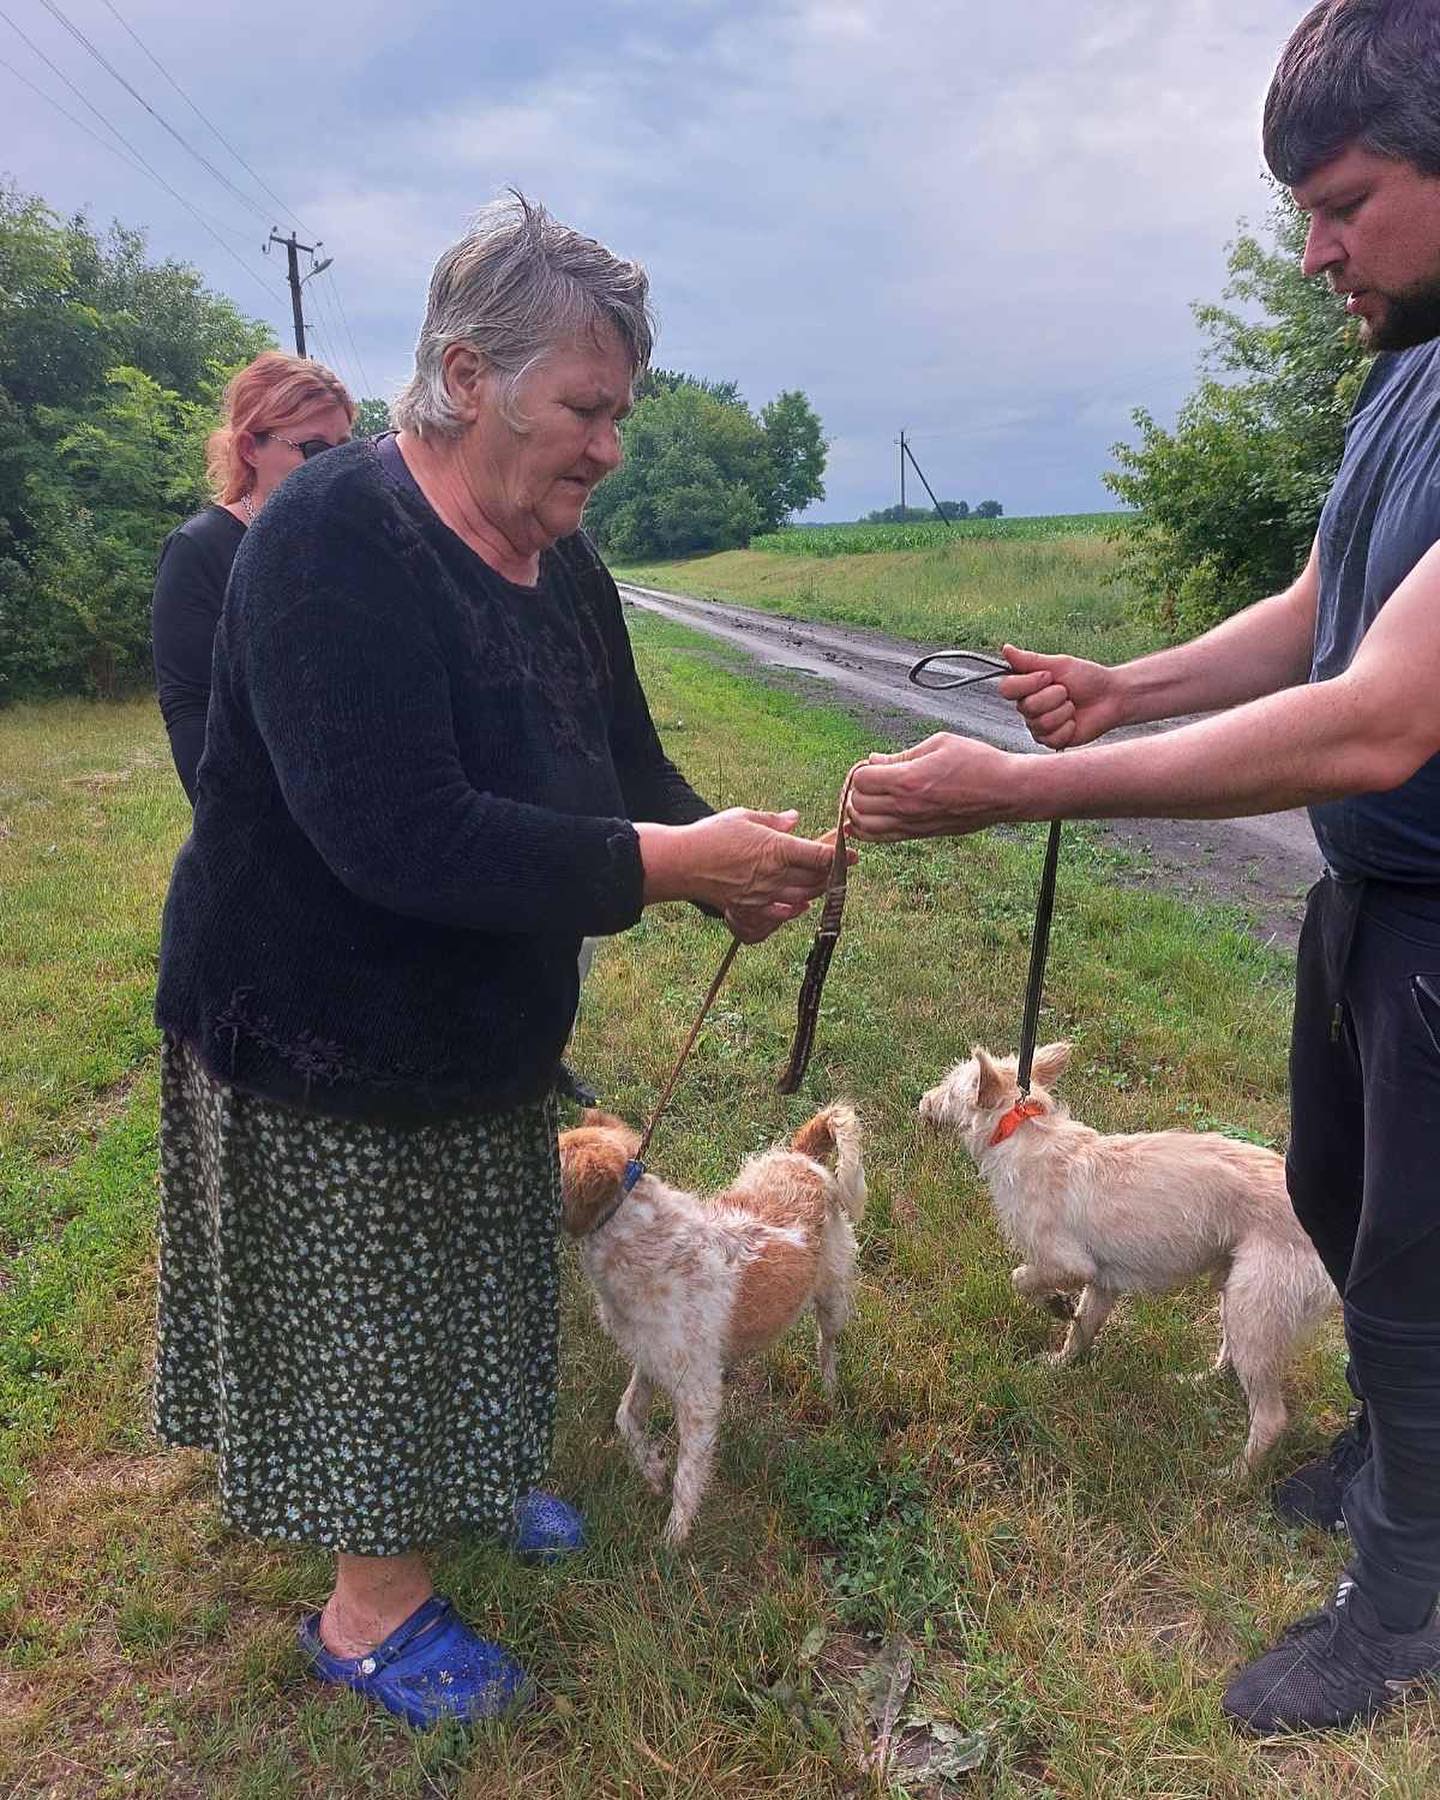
(190, 583)
(415, 799)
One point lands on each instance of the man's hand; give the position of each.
(945, 786)
(1063, 700)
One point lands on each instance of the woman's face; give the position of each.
(534, 482)
(275, 454)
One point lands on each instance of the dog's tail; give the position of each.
(836, 1131)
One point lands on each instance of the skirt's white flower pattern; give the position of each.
(360, 1320)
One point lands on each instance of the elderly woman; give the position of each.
(278, 412)
(429, 771)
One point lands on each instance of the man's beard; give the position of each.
(1409, 319)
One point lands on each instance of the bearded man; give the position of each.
(1328, 695)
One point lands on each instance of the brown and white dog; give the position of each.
(688, 1285)
(1141, 1214)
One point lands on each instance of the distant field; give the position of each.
(864, 540)
(1047, 583)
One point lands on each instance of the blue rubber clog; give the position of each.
(432, 1667)
(546, 1528)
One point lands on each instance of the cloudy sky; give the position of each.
(984, 223)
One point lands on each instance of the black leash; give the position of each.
(926, 674)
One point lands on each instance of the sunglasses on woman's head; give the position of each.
(308, 447)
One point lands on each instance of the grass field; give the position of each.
(1044, 1569)
(1052, 589)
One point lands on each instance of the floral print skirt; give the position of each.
(360, 1320)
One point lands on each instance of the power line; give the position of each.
(153, 173)
(331, 333)
(163, 122)
(345, 321)
(79, 123)
(104, 143)
(258, 179)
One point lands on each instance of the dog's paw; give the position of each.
(675, 1533)
(655, 1471)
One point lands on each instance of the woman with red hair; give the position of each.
(278, 412)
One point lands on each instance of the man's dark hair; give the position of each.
(1357, 72)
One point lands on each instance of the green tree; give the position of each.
(795, 444)
(701, 472)
(372, 418)
(1227, 503)
(111, 368)
(693, 466)
(989, 509)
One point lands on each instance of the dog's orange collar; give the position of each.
(1014, 1119)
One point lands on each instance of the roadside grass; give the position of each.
(1056, 1552)
(1057, 593)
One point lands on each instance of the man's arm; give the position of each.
(1067, 701)
(1362, 732)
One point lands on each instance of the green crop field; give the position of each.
(866, 540)
(1051, 583)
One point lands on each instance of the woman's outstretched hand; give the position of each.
(750, 865)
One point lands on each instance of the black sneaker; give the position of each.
(1315, 1493)
(1332, 1668)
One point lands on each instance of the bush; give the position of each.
(1228, 502)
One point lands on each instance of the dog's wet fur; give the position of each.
(687, 1285)
(1142, 1214)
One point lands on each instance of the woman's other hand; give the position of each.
(749, 865)
(1063, 700)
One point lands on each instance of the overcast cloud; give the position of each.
(983, 223)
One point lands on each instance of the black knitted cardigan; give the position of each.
(415, 799)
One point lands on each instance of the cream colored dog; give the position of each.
(1141, 1214)
(687, 1286)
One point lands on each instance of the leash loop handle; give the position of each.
(930, 672)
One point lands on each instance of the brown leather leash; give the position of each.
(635, 1168)
(817, 964)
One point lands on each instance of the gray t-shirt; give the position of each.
(1382, 515)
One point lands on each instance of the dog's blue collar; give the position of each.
(634, 1169)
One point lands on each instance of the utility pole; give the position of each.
(903, 454)
(293, 247)
(907, 451)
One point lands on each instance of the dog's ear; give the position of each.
(815, 1138)
(592, 1166)
(1051, 1061)
(593, 1115)
(992, 1086)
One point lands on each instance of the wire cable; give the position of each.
(152, 172)
(159, 119)
(209, 124)
(345, 321)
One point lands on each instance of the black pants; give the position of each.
(1364, 1177)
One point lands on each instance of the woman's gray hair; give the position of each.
(1356, 72)
(516, 285)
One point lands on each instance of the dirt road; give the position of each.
(1263, 865)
